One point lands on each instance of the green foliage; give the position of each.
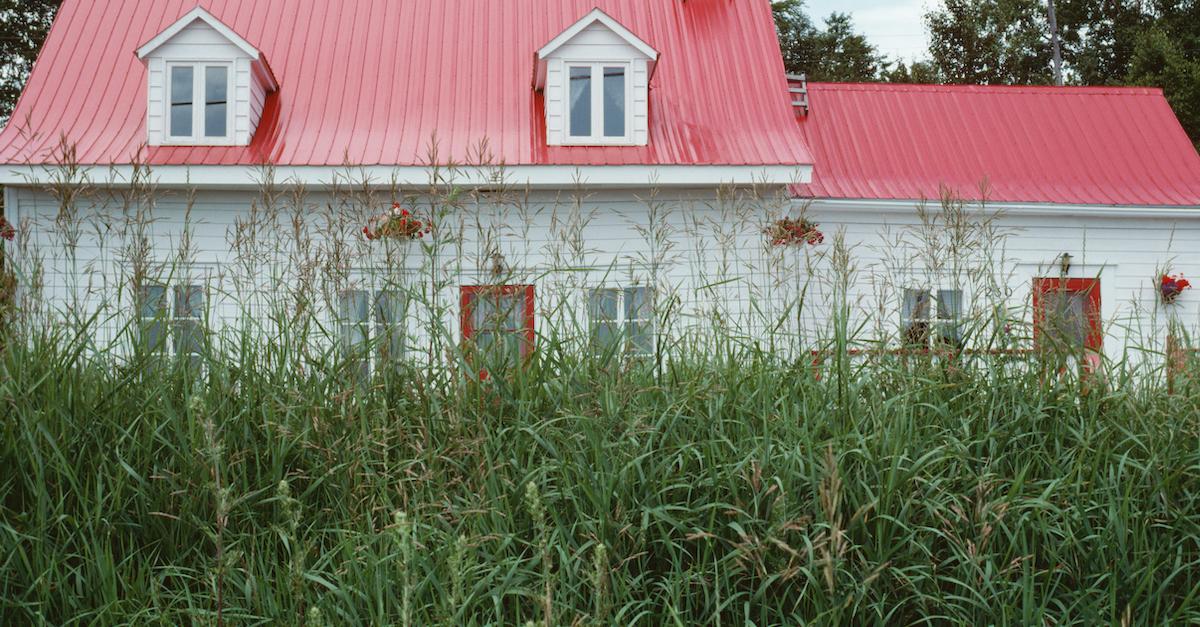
(730, 489)
(23, 28)
(990, 41)
(836, 53)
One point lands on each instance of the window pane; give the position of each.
(189, 302)
(581, 102)
(950, 304)
(605, 335)
(483, 311)
(354, 306)
(914, 316)
(1067, 317)
(614, 102)
(603, 304)
(514, 311)
(216, 101)
(641, 338)
(637, 304)
(390, 311)
(916, 306)
(182, 83)
(950, 311)
(189, 337)
(154, 334)
(354, 309)
(153, 301)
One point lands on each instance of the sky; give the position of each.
(896, 27)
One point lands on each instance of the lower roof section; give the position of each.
(544, 177)
(1059, 145)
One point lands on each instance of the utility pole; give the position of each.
(1054, 40)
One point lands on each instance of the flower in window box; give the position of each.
(795, 232)
(7, 230)
(1171, 286)
(399, 223)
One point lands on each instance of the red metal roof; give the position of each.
(371, 82)
(1068, 145)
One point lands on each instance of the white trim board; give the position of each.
(533, 176)
(197, 13)
(596, 15)
(1010, 208)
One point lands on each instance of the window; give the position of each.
(1067, 316)
(923, 318)
(498, 322)
(366, 322)
(622, 319)
(199, 107)
(172, 321)
(598, 103)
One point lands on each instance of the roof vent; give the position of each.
(798, 88)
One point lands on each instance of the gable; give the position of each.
(195, 27)
(201, 42)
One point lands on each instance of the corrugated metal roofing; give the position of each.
(1067, 145)
(371, 82)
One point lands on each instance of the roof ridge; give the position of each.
(928, 87)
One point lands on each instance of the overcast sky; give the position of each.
(896, 27)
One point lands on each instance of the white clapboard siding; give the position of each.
(708, 259)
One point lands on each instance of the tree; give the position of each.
(991, 42)
(836, 53)
(23, 28)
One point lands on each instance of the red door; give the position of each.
(1066, 318)
(498, 323)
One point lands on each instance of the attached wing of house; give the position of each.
(1102, 146)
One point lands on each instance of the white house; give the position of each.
(633, 169)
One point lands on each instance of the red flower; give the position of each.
(7, 231)
(788, 231)
(1172, 286)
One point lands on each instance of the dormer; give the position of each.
(207, 85)
(596, 80)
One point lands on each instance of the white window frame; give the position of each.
(199, 104)
(649, 324)
(936, 323)
(168, 314)
(384, 337)
(597, 138)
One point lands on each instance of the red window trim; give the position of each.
(1090, 287)
(470, 292)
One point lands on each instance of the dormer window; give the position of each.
(598, 103)
(207, 85)
(198, 105)
(596, 79)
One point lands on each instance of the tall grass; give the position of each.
(727, 489)
(725, 479)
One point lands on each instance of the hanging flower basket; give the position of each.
(399, 223)
(7, 230)
(1172, 286)
(795, 232)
